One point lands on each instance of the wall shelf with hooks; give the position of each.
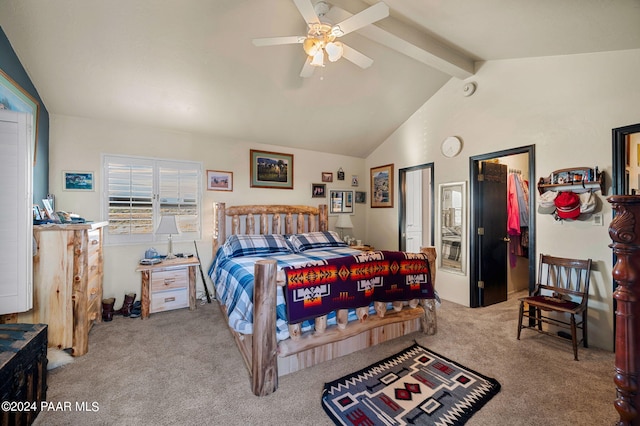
(574, 179)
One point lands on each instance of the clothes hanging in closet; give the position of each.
(517, 216)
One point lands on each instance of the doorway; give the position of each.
(499, 266)
(416, 207)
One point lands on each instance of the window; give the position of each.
(138, 191)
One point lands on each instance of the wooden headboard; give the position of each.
(297, 219)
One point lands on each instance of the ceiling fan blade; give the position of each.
(356, 57)
(307, 69)
(368, 16)
(275, 41)
(307, 11)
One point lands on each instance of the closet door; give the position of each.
(16, 218)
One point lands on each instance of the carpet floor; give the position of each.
(182, 367)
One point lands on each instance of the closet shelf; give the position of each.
(575, 179)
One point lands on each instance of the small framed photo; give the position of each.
(327, 176)
(361, 197)
(318, 190)
(354, 180)
(36, 212)
(218, 180)
(48, 209)
(77, 181)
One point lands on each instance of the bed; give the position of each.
(252, 265)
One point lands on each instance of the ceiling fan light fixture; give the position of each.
(318, 59)
(336, 31)
(334, 50)
(311, 46)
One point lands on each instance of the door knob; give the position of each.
(506, 239)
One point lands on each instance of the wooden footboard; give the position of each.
(325, 343)
(267, 359)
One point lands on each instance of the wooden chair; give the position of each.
(561, 292)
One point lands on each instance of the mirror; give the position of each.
(340, 201)
(626, 160)
(452, 226)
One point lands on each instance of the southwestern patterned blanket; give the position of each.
(319, 287)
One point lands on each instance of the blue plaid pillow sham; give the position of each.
(249, 245)
(314, 240)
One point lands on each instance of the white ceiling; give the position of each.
(189, 65)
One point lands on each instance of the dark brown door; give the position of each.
(493, 241)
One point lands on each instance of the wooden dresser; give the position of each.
(67, 283)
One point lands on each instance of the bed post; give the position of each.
(323, 217)
(264, 364)
(219, 226)
(429, 321)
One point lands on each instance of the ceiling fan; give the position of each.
(322, 37)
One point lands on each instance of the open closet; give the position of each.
(502, 228)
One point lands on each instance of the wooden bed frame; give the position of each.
(265, 358)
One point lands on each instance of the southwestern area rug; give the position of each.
(413, 387)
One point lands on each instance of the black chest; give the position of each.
(23, 372)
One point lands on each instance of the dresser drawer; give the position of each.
(93, 312)
(168, 300)
(94, 243)
(170, 279)
(94, 289)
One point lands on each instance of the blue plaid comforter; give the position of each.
(233, 280)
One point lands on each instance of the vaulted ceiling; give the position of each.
(190, 65)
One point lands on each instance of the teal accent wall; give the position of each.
(10, 64)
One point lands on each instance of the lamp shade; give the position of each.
(344, 221)
(167, 225)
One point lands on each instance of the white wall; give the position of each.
(564, 105)
(77, 144)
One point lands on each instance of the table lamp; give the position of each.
(343, 222)
(169, 226)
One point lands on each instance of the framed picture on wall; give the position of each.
(382, 186)
(218, 180)
(77, 181)
(271, 169)
(318, 190)
(361, 197)
(15, 98)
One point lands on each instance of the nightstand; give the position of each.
(170, 284)
(363, 247)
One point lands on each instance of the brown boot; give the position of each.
(125, 310)
(107, 308)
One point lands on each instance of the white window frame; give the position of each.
(155, 164)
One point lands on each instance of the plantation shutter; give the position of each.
(141, 190)
(130, 200)
(178, 189)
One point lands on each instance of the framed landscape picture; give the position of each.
(77, 181)
(271, 169)
(218, 180)
(382, 186)
(15, 98)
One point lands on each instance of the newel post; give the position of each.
(624, 231)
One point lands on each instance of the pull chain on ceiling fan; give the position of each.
(321, 38)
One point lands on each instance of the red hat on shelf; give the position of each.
(567, 205)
